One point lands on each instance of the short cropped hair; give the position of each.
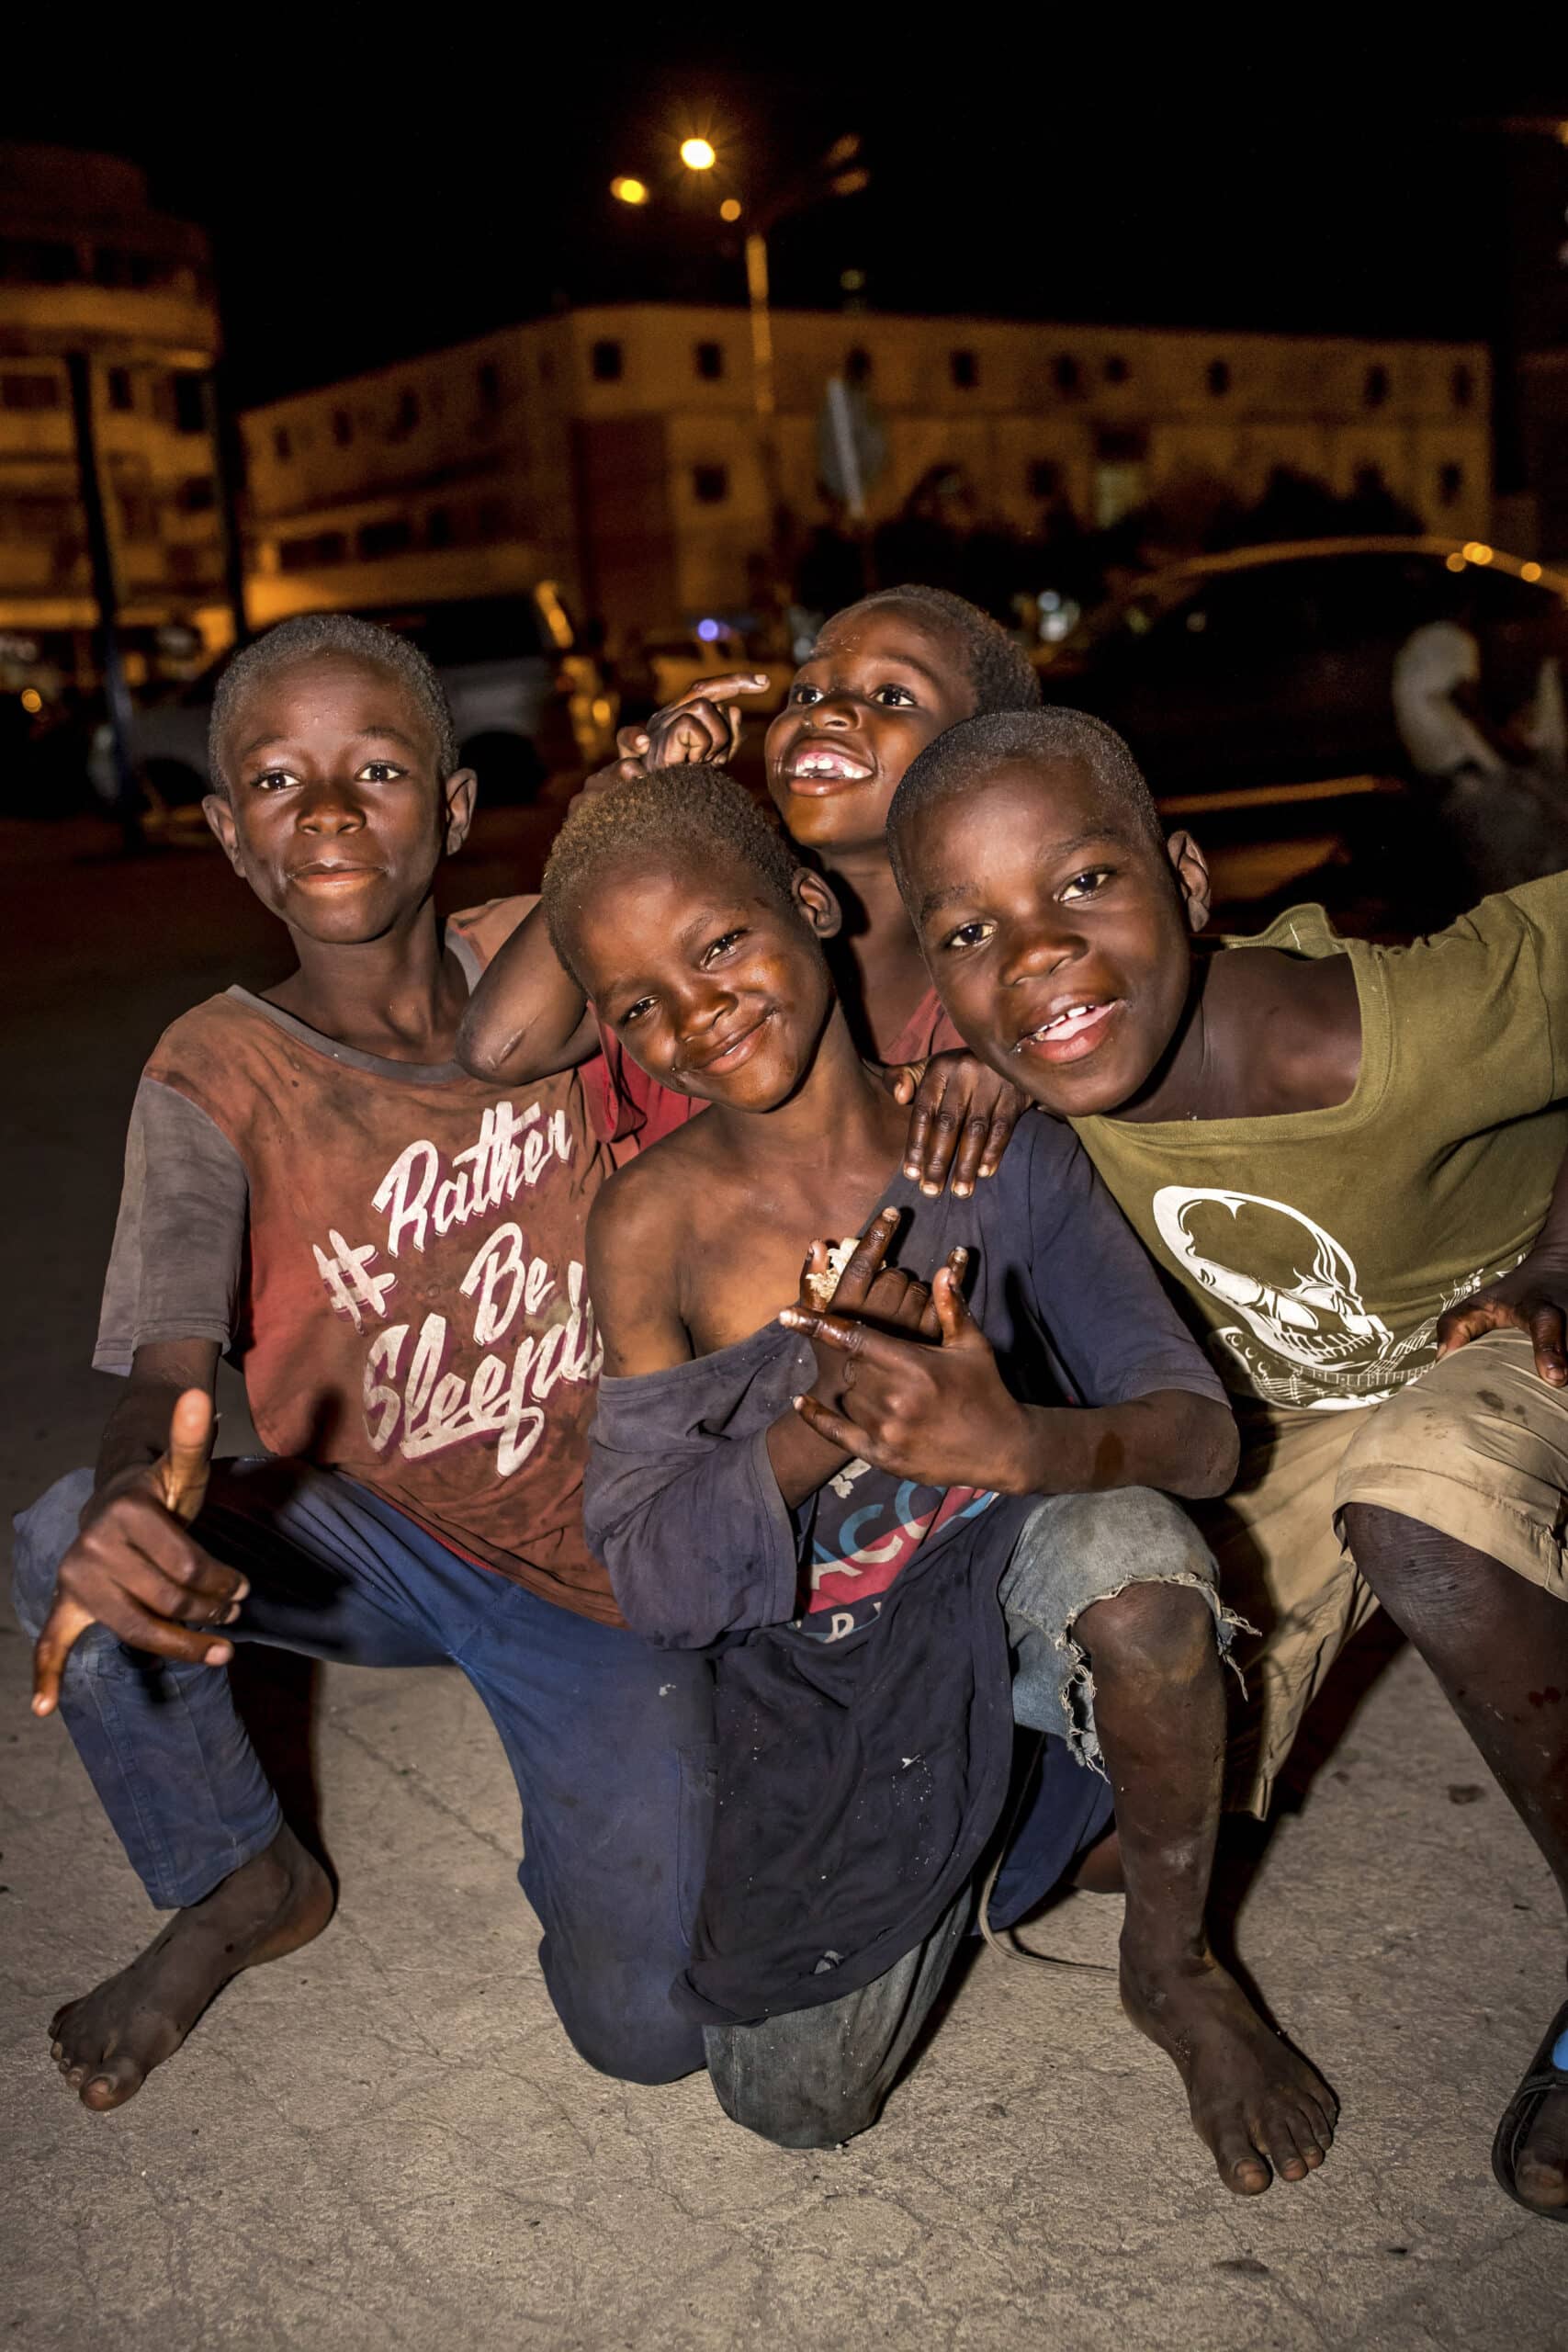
(998, 668)
(685, 813)
(971, 754)
(311, 634)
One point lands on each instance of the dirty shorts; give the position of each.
(1476, 1447)
(1072, 1551)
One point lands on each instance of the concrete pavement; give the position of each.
(386, 2141)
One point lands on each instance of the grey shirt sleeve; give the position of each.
(179, 1243)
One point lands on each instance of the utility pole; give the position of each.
(117, 694)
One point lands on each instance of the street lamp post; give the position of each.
(837, 172)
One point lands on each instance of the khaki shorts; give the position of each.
(1476, 1447)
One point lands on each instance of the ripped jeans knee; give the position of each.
(1072, 1551)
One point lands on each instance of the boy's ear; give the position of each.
(1193, 887)
(817, 906)
(221, 817)
(458, 794)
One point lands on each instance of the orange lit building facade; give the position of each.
(618, 450)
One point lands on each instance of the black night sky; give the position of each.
(360, 215)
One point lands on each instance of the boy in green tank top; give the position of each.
(1345, 1158)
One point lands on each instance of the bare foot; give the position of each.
(1540, 2168)
(1254, 2103)
(107, 2043)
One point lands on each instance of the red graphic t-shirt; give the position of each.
(391, 1254)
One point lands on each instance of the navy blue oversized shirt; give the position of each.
(831, 1858)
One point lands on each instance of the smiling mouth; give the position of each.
(819, 770)
(1076, 1030)
(732, 1053)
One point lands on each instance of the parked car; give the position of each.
(511, 670)
(1256, 689)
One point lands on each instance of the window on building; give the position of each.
(282, 445)
(36, 515)
(29, 392)
(137, 515)
(1463, 387)
(1374, 390)
(53, 264)
(1219, 378)
(1116, 369)
(343, 427)
(708, 360)
(604, 360)
(198, 494)
(857, 365)
(1043, 477)
(190, 401)
(119, 389)
(405, 416)
(964, 370)
(1451, 484)
(438, 527)
(394, 537)
(310, 553)
(1067, 375)
(487, 383)
(710, 484)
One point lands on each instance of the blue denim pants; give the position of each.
(609, 1739)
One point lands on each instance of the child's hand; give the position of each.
(963, 1116)
(940, 1414)
(701, 724)
(1533, 1299)
(883, 1296)
(134, 1569)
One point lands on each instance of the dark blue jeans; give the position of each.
(609, 1739)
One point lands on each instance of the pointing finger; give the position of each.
(866, 1260)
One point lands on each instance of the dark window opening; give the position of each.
(120, 391)
(198, 494)
(1121, 445)
(604, 360)
(708, 358)
(1045, 476)
(137, 515)
(1066, 374)
(282, 447)
(857, 365)
(1463, 388)
(306, 554)
(1374, 391)
(964, 370)
(406, 414)
(1219, 378)
(343, 427)
(29, 392)
(1116, 370)
(438, 527)
(487, 379)
(391, 537)
(1450, 484)
(190, 403)
(710, 484)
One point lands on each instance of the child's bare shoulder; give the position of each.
(648, 1203)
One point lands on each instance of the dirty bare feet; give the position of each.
(1254, 2103)
(107, 2043)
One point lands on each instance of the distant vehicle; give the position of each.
(1274, 664)
(522, 695)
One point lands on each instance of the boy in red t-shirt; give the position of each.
(391, 1253)
(884, 679)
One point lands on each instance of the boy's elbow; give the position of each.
(1212, 1456)
(486, 1052)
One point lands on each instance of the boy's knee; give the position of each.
(623, 2023)
(761, 2084)
(45, 1533)
(1163, 1631)
(1075, 1550)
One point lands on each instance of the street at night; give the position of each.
(1002, 1589)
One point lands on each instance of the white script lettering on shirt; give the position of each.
(431, 1408)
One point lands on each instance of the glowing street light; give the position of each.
(698, 154)
(730, 208)
(628, 191)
